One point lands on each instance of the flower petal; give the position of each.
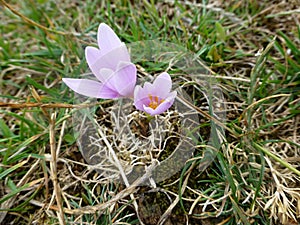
(141, 97)
(106, 74)
(108, 60)
(124, 79)
(144, 92)
(92, 54)
(165, 105)
(162, 85)
(90, 88)
(107, 38)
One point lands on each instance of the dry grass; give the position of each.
(252, 51)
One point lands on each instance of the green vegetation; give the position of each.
(252, 48)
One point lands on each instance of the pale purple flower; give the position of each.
(110, 64)
(155, 98)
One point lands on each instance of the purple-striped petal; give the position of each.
(165, 105)
(138, 101)
(161, 88)
(107, 38)
(108, 60)
(162, 85)
(90, 88)
(106, 74)
(141, 97)
(160, 109)
(152, 99)
(92, 54)
(124, 79)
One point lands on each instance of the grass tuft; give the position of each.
(248, 173)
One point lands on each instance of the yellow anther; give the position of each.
(154, 102)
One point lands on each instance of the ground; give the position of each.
(245, 163)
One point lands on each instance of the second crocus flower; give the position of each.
(155, 98)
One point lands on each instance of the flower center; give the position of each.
(154, 101)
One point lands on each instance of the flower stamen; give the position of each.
(154, 101)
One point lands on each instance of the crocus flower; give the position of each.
(111, 66)
(155, 98)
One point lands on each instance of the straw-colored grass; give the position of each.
(245, 163)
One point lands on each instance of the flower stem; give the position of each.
(149, 117)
